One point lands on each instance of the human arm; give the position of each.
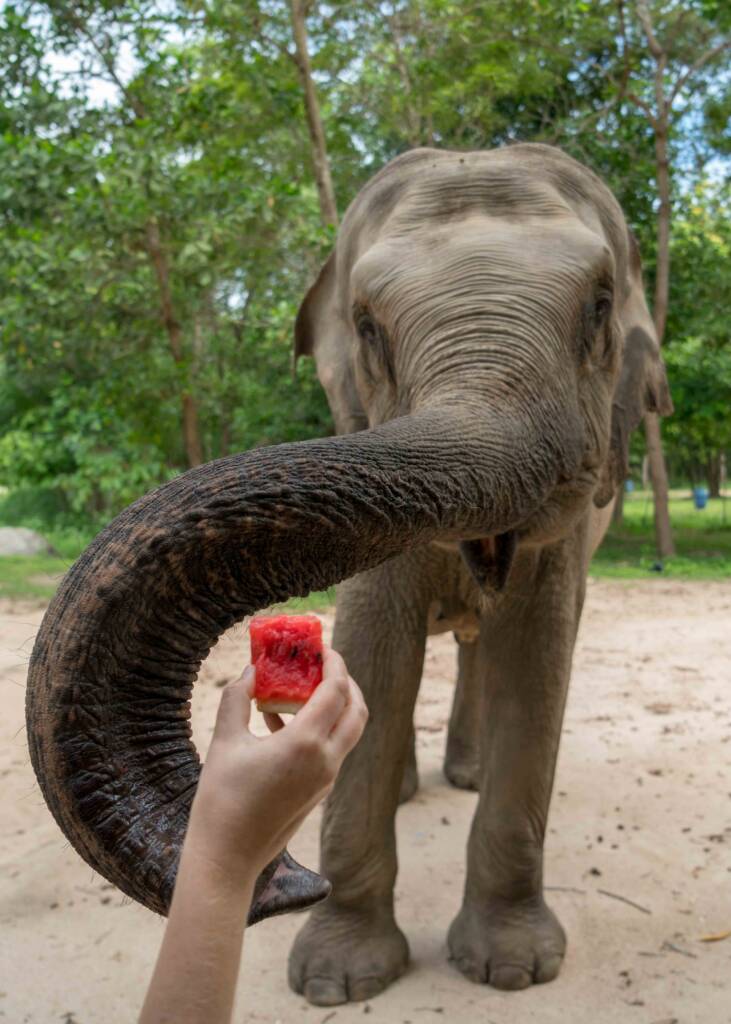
(252, 797)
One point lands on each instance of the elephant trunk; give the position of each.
(111, 674)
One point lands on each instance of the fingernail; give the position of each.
(248, 673)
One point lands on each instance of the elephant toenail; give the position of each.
(510, 977)
(324, 992)
(364, 988)
(471, 971)
(548, 969)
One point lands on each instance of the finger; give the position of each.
(358, 693)
(349, 728)
(249, 678)
(274, 722)
(327, 703)
(356, 701)
(234, 711)
(332, 663)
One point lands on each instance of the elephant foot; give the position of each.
(345, 956)
(461, 772)
(508, 947)
(409, 783)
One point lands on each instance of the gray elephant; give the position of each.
(483, 317)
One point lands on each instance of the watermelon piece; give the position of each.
(286, 651)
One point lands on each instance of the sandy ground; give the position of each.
(642, 809)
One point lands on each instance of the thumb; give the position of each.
(234, 711)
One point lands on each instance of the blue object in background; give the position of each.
(629, 486)
(700, 496)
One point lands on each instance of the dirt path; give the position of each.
(642, 810)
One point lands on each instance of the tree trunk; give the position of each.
(618, 510)
(658, 472)
(413, 118)
(325, 191)
(662, 272)
(713, 474)
(659, 480)
(158, 258)
(660, 122)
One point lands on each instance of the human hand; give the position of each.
(254, 792)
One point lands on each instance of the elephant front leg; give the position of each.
(351, 947)
(505, 934)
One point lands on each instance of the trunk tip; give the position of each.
(286, 886)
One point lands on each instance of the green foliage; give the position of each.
(30, 578)
(159, 222)
(701, 376)
(93, 376)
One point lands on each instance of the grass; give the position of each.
(702, 538)
(317, 601)
(36, 577)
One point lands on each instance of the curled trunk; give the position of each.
(118, 651)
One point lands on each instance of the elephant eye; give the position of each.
(378, 352)
(366, 327)
(602, 309)
(596, 340)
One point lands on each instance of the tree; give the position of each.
(155, 240)
(320, 162)
(699, 353)
(89, 306)
(682, 43)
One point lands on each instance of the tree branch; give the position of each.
(643, 13)
(320, 160)
(645, 107)
(137, 107)
(704, 58)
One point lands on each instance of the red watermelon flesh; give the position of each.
(286, 651)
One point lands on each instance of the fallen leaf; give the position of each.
(718, 937)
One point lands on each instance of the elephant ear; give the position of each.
(321, 330)
(642, 385)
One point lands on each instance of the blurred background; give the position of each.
(171, 178)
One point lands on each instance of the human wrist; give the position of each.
(231, 872)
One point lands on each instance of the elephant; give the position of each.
(482, 335)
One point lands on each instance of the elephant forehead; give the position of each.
(484, 251)
(457, 190)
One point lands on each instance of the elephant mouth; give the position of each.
(490, 558)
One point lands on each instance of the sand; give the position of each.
(642, 810)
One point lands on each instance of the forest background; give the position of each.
(171, 177)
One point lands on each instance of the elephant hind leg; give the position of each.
(462, 760)
(410, 781)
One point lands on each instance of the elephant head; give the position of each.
(471, 317)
